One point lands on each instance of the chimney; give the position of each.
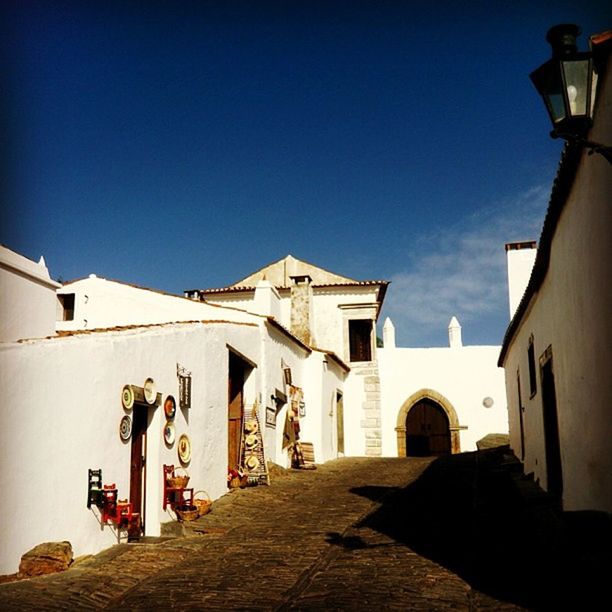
(520, 258)
(301, 307)
(454, 334)
(266, 301)
(388, 334)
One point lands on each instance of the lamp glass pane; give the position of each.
(576, 83)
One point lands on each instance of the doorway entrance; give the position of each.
(239, 370)
(554, 473)
(340, 423)
(427, 430)
(138, 463)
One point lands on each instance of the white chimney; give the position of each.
(454, 334)
(266, 301)
(520, 257)
(388, 334)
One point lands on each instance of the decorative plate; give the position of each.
(169, 433)
(127, 397)
(170, 407)
(150, 391)
(125, 428)
(184, 449)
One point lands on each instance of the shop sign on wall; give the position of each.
(184, 386)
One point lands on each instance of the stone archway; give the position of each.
(434, 396)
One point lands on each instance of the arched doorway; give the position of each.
(427, 430)
(434, 406)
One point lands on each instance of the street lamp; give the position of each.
(568, 85)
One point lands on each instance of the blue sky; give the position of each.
(179, 145)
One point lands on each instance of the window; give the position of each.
(521, 409)
(66, 301)
(533, 385)
(360, 339)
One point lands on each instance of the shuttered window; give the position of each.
(360, 339)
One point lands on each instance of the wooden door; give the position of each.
(235, 409)
(340, 421)
(138, 461)
(554, 474)
(427, 430)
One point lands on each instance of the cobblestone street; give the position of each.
(352, 535)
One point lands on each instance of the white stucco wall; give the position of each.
(62, 411)
(464, 376)
(329, 318)
(27, 298)
(101, 303)
(571, 314)
(325, 378)
(520, 263)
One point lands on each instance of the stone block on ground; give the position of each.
(46, 558)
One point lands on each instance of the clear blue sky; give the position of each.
(179, 145)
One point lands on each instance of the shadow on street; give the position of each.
(478, 516)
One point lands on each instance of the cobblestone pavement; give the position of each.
(321, 539)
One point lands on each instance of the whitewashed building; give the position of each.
(557, 349)
(396, 401)
(65, 411)
(27, 297)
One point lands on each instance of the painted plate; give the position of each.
(184, 449)
(125, 428)
(170, 407)
(150, 391)
(169, 433)
(127, 397)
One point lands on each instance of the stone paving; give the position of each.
(333, 538)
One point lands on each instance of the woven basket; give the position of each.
(187, 512)
(178, 482)
(203, 504)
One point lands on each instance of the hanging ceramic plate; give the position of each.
(150, 391)
(169, 433)
(127, 397)
(125, 428)
(170, 407)
(184, 449)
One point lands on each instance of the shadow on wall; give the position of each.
(478, 516)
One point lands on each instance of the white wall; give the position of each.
(325, 378)
(464, 376)
(62, 410)
(520, 263)
(27, 298)
(100, 303)
(571, 313)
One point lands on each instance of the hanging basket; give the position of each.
(187, 512)
(178, 482)
(203, 503)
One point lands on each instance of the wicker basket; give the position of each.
(203, 504)
(178, 482)
(187, 512)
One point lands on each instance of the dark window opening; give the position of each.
(533, 385)
(360, 340)
(521, 409)
(67, 303)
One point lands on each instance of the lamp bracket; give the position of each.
(593, 147)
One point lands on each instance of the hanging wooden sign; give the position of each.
(185, 391)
